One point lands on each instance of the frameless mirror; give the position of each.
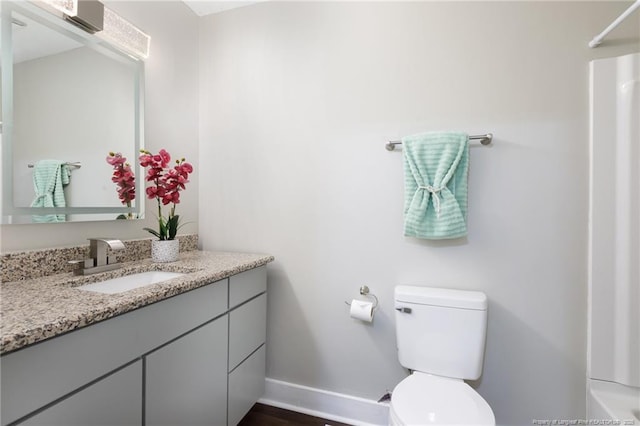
(68, 99)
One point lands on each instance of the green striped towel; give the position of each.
(49, 178)
(436, 166)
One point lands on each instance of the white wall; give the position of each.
(171, 122)
(297, 102)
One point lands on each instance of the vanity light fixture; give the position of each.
(68, 7)
(124, 34)
(115, 29)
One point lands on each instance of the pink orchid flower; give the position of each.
(165, 185)
(123, 177)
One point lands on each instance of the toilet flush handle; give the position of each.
(404, 310)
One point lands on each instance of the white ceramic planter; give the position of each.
(164, 251)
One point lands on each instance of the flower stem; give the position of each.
(162, 234)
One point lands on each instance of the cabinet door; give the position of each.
(186, 380)
(116, 400)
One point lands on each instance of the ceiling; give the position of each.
(207, 7)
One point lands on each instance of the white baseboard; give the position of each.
(329, 405)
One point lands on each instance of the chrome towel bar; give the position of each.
(75, 165)
(484, 140)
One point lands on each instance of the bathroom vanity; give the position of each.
(190, 350)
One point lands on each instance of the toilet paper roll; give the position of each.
(362, 310)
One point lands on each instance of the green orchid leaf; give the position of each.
(172, 226)
(153, 232)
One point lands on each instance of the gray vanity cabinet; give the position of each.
(186, 381)
(197, 358)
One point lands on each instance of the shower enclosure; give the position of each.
(613, 371)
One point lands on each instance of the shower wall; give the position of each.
(614, 296)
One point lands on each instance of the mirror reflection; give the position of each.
(72, 105)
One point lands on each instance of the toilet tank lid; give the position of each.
(445, 297)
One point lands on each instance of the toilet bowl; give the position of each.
(424, 399)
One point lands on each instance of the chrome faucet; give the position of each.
(99, 260)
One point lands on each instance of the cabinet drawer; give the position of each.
(41, 373)
(246, 386)
(247, 329)
(247, 284)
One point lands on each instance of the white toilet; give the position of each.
(441, 335)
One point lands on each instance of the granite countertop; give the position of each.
(37, 309)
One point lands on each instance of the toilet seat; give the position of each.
(424, 399)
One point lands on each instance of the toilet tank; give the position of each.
(441, 331)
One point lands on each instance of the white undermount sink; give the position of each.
(130, 282)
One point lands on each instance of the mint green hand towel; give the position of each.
(436, 166)
(49, 179)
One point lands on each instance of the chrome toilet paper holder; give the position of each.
(364, 291)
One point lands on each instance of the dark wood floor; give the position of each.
(266, 415)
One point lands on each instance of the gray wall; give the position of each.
(171, 122)
(297, 101)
